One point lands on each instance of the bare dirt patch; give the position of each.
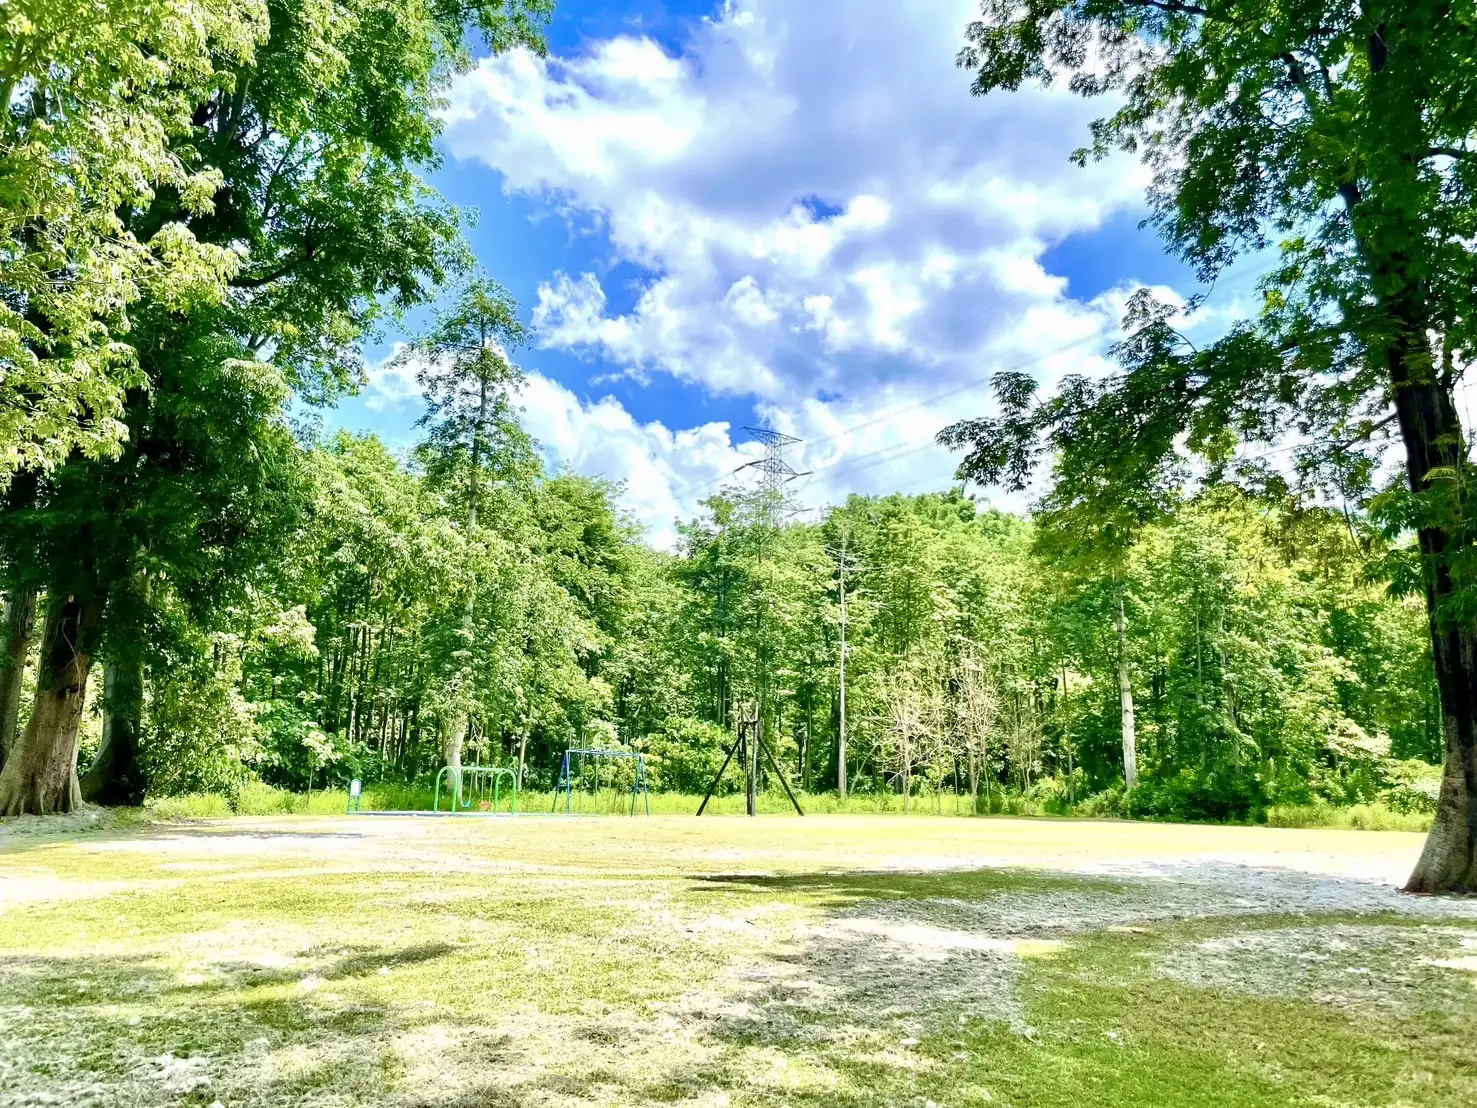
(1362, 968)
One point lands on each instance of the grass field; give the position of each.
(835, 960)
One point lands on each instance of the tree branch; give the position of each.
(1340, 447)
(266, 278)
(1175, 7)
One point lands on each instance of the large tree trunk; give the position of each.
(40, 775)
(115, 777)
(1125, 701)
(20, 622)
(1432, 436)
(1448, 863)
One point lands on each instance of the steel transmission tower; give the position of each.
(774, 472)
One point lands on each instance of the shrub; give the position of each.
(1359, 817)
(685, 754)
(1410, 786)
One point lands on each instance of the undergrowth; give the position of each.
(1359, 817)
(258, 799)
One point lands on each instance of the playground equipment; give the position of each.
(572, 773)
(748, 743)
(479, 785)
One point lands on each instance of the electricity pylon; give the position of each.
(774, 472)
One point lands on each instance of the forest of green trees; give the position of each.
(209, 207)
(381, 626)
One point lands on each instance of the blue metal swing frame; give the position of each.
(566, 783)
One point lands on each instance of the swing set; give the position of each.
(573, 775)
(477, 785)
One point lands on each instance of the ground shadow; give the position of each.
(842, 889)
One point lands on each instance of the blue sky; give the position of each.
(792, 214)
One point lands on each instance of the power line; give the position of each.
(968, 386)
(888, 413)
(1101, 332)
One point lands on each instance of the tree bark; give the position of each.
(523, 747)
(1125, 701)
(451, 743)
(40, 775)
(115, 778)
(751, 769)
(1431, 432)
(20, 624)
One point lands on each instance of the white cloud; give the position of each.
(665, 472)
(832, 226)
(390, 384)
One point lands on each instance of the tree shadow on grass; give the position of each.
(128, 1030)
(61, 981)
(347, 962)
(1026, 901)
(845, 889)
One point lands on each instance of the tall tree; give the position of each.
(312, 151)
(1344, 132)
(468, 381)
(94, 99)
(1114, 473)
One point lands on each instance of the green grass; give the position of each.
(1358, 817)
(388, 962)
(257, 799)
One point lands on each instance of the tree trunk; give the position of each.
(452, 740)
(115, 778)
(751, 770)
(523, 748)
(41, 774)
(1125, 701)
(1432, 436)
(457, 738)
(20, 623)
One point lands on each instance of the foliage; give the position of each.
(1341, 135)
(1270, 670)
(304, 607)
(96, 103)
